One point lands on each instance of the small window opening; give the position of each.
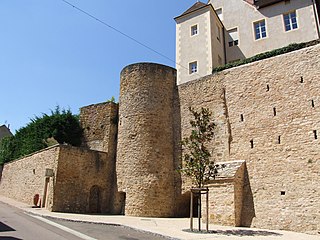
(315, 134)
(268, 88)
(194, 30)
(193, 67)
(283, 193)
(274, 111)
(251, 142)
(241, 118)
(301, 79)
(279, 139)
(312, 103)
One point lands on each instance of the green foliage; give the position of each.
(112, 99)
(61, 127)
(7, 148)
(265, 55)
(196, 162)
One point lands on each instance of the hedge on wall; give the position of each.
(261, 56)
(59, 127)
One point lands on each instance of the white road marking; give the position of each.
(69, 230)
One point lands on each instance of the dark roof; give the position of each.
(195, 7)
(4, 131)
(265, 3)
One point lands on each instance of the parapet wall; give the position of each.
(267, 113)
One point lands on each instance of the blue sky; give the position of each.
(51, 54)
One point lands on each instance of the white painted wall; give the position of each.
(204, 48)
(240, 14)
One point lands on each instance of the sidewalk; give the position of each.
(170, 227)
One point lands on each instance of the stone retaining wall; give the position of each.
(24, 178)
(267, 113)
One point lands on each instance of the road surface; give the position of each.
(17, 225)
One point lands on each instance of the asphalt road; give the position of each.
(108, 232)
(17, 225)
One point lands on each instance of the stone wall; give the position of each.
(145, 154)
(100, 126)
(23, 178)
(84, 181)
(279, 101)
(206, 92)
(226, 195)
(267, 113)
(99, 123)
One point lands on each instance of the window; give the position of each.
(233, 37)
(219, 60)
(260, 29)
(193, 67)
(219, 13)
(218, 32)
(290, 21)
(194, 30)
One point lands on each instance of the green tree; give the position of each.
(7, 147)
(196, 162)
(61, 126)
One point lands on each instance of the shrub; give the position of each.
(61, 127)
(265, 55)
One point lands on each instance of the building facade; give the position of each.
(249, 28)
(199, 42)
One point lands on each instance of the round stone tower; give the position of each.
(145, 152)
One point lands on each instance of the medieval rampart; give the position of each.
(267, 113)
(145, 153)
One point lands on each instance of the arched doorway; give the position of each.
(95, 199)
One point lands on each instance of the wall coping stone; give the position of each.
(54, 146)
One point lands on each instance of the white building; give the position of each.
(222, 31)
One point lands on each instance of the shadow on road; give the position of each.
(239, 232)
(5, 228)
(9, 238)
